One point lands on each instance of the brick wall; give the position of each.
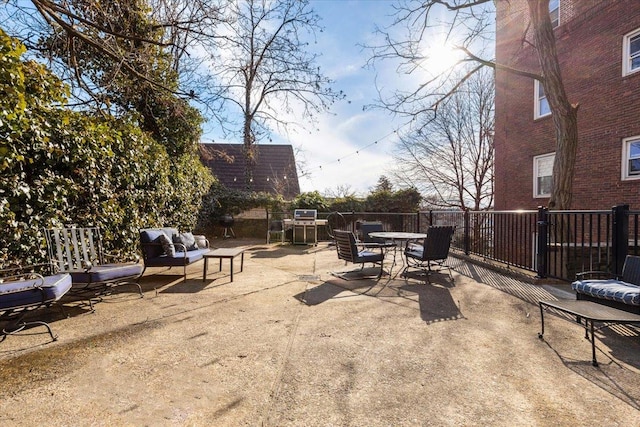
(589, 43)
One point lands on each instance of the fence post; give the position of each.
(268, 228)
(543, 239)
(620, 237)
(418, 221)
(467, 232)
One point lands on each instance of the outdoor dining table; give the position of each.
(401, 237)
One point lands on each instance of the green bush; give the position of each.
(59, 166)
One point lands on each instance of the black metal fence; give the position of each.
(555, 244)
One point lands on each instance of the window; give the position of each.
(631, 158)
(542, 105)
(554, 12)
(543, 175)
(631, 53)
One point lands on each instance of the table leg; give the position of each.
(204, 274)
(541, 334)
(241, 261)
(231, 259)
(594, 362)
(220, 268)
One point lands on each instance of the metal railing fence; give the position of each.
(555, 244)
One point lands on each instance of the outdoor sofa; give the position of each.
(621, 292)
(167, 247)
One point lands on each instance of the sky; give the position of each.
(349, 146)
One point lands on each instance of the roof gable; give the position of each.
(275, 170)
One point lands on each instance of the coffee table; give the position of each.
(591, 312)
(221, 253)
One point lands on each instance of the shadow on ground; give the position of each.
(432, 299)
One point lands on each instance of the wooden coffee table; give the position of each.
(229, 253)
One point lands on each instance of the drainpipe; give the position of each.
(620, 237)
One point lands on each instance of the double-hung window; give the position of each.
(543, 175)
(631, 158)
(554, 12)
(541, 107)
(631, 53)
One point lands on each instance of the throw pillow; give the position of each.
(187, 240)
(167, 245)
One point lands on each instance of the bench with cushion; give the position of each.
(620, 292)
(25, 292)
(166, 247)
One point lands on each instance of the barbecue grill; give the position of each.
(305, 227)
(227, 221)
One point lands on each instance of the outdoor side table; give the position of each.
(228, 253)
(591, 312)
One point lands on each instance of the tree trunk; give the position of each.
(565, 115)
(249, 153)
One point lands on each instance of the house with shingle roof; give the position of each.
(274, 172)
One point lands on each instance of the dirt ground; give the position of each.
(289, 344)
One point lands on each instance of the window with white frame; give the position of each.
(543, 175)
(631, 158)
(631, 53)
(542, 105)
(554, 12)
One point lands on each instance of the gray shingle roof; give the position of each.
(275, 170)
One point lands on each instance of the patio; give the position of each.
(288, 344)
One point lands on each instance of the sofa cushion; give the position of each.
(151, 235)
(167, 244)
(179, 259)
(107, 273)
(609, 289)
(187, 239)
(24, 293)
(201, 241)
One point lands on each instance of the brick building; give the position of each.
(598, 45)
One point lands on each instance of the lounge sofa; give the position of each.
(620, 292)
(167, 247)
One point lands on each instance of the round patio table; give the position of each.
(397, 236)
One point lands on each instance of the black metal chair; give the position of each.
(432, 253)
(276, 228)
(349, 251)
(374, 242)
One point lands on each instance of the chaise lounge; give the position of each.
(23, 292)
(621, 292)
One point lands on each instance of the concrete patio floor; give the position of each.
(289, 344)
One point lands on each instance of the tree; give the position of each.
(262, 61)
(59, 166)
(450, 157)
(468, 26)
(125, 35)
(383, 198)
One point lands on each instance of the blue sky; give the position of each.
(349, 146)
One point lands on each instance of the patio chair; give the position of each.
(79, 252)
(433, 251)
(22, 292)
(277, 228)
(349, 251)
(374, 242)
